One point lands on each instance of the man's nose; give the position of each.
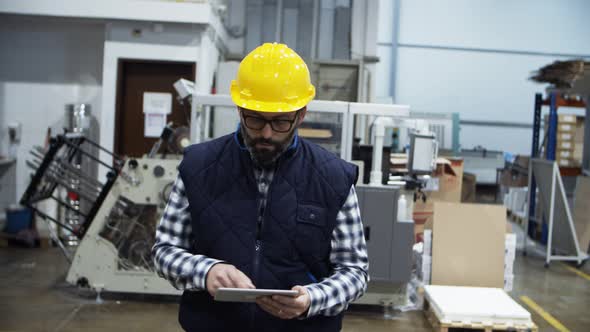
(266, 131)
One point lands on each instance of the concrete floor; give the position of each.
(34, 297)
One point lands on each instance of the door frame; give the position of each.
(119, 92)
(113, 53)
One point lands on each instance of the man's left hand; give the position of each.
(286, 307)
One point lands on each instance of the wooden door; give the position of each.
(133, 79)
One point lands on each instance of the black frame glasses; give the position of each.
(278, 125)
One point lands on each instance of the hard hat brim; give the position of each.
(270, 107)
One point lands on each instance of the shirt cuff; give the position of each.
(316, 297)
(201, 270)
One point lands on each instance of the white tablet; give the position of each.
(249, 295)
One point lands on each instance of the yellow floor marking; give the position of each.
(578, 272)
(546, 316)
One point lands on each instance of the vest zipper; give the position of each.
(258, 243)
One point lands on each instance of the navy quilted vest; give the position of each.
(308, 189)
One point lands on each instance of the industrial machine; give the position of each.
(117, 233)
(115, 253)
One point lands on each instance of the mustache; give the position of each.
(265, 141)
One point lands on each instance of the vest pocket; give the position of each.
(310, 235)
(311, 214)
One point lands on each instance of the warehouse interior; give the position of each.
(468, 122)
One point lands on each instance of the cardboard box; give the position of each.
(468, 188)
(522, 161)
(468, 245)
(578, 152)
(567, 162)
(570, 129)
(562, 119)
(565, 145)
(511, 178)
(423, 212)
(569, 137)
(449, 174)
(566, 127)
(564, 154)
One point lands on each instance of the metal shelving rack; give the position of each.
(554, 100)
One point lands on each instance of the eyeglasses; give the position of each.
(278, 125)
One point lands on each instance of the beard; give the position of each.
(266, 157)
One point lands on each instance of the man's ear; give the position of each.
(302, 113)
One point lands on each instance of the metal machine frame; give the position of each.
(54, 171)
(102, 258)
(202, 103)
(557, 188)
(97, 260)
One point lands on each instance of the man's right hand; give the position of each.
(226, 276)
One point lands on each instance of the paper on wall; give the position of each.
(154, 124)
(157, 102)
(156, 107)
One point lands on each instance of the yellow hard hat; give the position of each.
(272, 78)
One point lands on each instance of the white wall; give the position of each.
(475, 57)
(45, 64)
(526, 25)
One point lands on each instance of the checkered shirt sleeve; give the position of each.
(172, 258)
(350, 264)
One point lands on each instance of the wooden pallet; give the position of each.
(439, 326)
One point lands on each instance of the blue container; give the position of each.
(18, 218)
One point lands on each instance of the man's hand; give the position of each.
(286, 307)
(226, 276)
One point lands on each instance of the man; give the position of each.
(263, 208)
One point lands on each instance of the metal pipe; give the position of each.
(554, 173)
(68, 206)
(552, 139)
(279, 20)
(567, 211)
(86, 195)
(89, 155)
(394, 47)
(314, 29)
(54, 168)
(78, 173)
(492, 50)
(57, 240)
(496, 124)
(379, 125)
(36, 155)
(45, 216)
(534, 154)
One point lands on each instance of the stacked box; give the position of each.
(569, 145)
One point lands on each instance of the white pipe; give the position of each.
(378, 133)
